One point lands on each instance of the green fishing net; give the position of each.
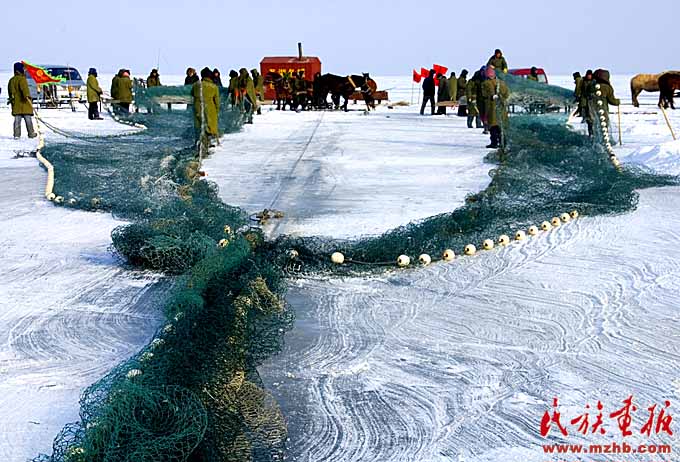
(193, 393)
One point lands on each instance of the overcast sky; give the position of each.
(382, 37)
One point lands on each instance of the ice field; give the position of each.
(453, 362)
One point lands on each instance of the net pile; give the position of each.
(193, 394)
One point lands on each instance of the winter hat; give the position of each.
(490, 73)
(464, 72)
(19, 67)
(92, 71)
(498, 51)
(206, 73)
(576, 74)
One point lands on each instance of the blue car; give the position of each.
(72, 90)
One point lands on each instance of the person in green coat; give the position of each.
(496, 94)
(19, 96)
(124, 92)
(578, 89)
(471, 90)
(94, 94)
(533, 75)
(453, 87)
(258, 83)
(247, 91)
(114, 90)
(461, 84)
(443, 94)
(206, 98)
(498, 62)
(603, 96)
(154, 80)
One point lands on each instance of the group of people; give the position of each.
(595, 86)
(245, 89)
(482, 99)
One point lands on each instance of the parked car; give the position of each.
(525, 72)
(72, 89)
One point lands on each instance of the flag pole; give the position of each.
(412, 86)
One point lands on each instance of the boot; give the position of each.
(478, 122)
(469, 121)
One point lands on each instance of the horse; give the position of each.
(344, 87)
(669, 83)
(284, 92)
(646, 82)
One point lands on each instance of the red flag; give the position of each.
(40, 75)
(416, 77)
(424, 73)
(440, 69)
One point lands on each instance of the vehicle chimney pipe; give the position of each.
(300, 51)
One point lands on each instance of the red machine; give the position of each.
(525, 72)
(310, 64)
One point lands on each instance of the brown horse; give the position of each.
(343, 87)
(669, 83)
(284, 92)
(646, 82)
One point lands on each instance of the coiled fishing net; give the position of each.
(193, 394)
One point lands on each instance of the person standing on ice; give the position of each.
(428, 92)
(481, 102)
(247, 91)
(154, 80)
(578, 89)
(206, 98)
(217, 78)
(258, 83)
(498, 61)
(124, 92)
(191, 77)
(471, 90)
(495, 93)
(19, 96)
(588, 89)
(461, 93)
(233, 88)
(94, 94)
(453, 87)
(443, 94)
(603, 91)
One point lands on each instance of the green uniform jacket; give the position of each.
(94, 91)
(587, 93)
(443, 91)
(153, 81)
(259, 85)
(491, 104)
(19, 96)
(245, 84)
(499, 63)
(462, 86)
(471, 97)
(211, 96)
(124, 89)
(114, 87)
(607, 98)
(578, 88)
(453, 88)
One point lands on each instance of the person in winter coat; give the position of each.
(19, 96)
(443, 94)
(94, 94)
(206, 98)
(496, 94)
(114, 90)
(124, 92)
(588, 89)
(481, 102)
(578, 89)
(471, 90)
(498, 62)
(233, 89)
(533, 75)
(217, 77)
(453, 87)
(247, 90)
(428, 92)
(462, 93)
(603, 96)
(258, 83)
(154, 80)
(191, 77)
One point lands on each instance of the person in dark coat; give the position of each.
(234, 94)
(481, 102)
(217, 77)
(443, 94)
(462, 93)
(578, 89)
(191, 77)
(428, 92)
(154, 79)
(533, 75)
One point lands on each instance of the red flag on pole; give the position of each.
(416, 77)
(40, 75)
(440, 69)
(424, 73)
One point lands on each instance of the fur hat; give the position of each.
(206, 73)
(19, 67)
(92, 71)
